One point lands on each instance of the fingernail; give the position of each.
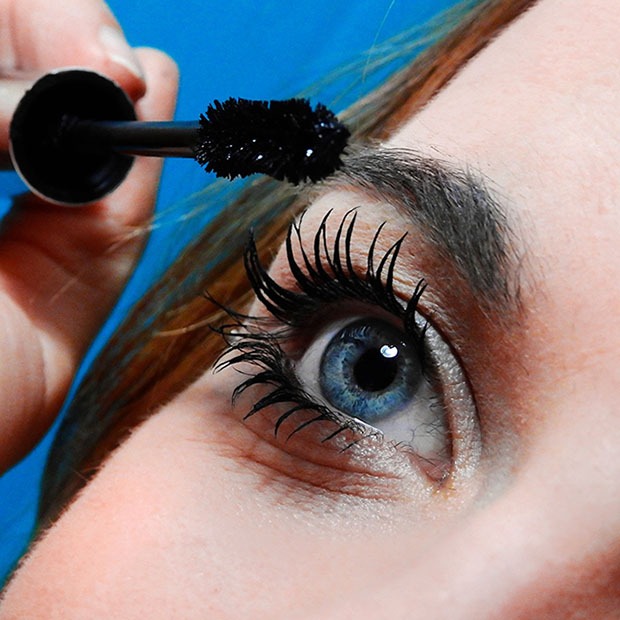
(118, 50)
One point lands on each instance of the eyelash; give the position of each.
(324, 277)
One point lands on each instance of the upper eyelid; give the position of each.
(264, 350)
(443, 306)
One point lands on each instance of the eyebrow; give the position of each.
(459, 216)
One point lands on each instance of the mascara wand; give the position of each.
(74, 136)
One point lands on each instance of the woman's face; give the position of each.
(494, 492)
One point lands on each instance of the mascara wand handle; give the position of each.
(149, 139)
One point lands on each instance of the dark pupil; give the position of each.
(374, 372)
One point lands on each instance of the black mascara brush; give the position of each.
(74, 135)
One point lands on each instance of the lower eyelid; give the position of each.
(369, 470)
(368, 462)
(308, 443)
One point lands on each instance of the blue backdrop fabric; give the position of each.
(241, 48)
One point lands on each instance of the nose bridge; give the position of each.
(545, 549)
(567, 586)
(541, 550)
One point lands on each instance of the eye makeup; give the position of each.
(376, 370)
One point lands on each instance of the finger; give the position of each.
(11, 91)
(36, 38)
(62, 269)
(158, 104)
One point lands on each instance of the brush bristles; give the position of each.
(283, 139)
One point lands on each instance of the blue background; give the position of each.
(255, 49)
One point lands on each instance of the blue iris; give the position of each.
(368, 370)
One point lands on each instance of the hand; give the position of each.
(61, 269)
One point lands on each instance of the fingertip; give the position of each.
(120, 62)
(133, 202)
(162, 84)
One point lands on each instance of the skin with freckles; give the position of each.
(202, 514)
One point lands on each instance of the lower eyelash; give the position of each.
(326, 276)
(263, 351)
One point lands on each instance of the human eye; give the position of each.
(338, 349)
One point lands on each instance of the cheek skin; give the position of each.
(176, 515)
(169, 521)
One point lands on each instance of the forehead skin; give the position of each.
(176, 519)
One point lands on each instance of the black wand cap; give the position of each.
(284, 139)
(52, 167)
